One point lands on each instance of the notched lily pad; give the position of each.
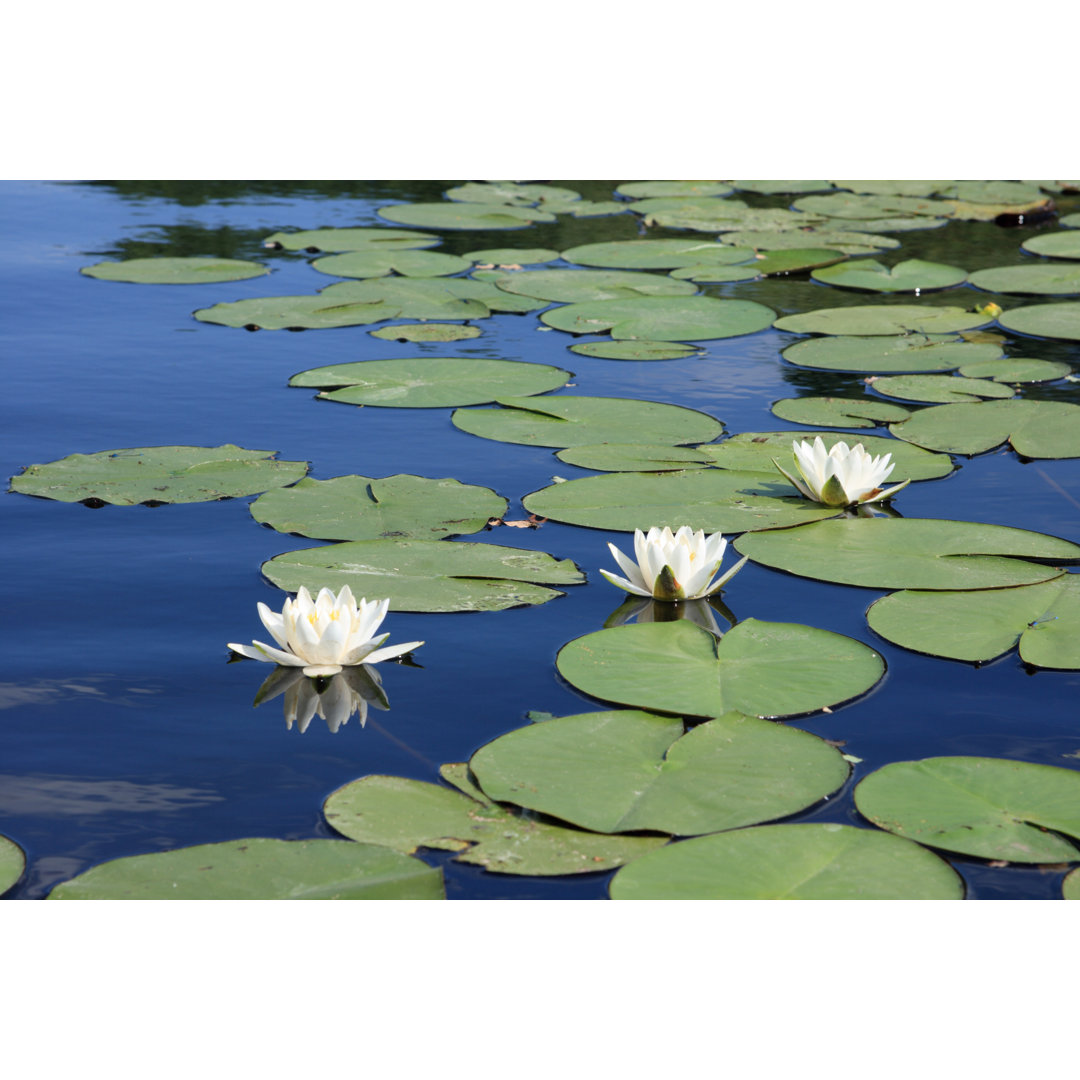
(176, 271)
(379, 263)
(789, 261)
(906, 353)
(847, 241)
(1039, 279)
(939, 388)
(572, 286)
(872, 320)
(633, 457)
(426, 332)
(635, 350)
(656, 254)
(1061, 321)
(838, 412)
(12, 864)
(911, 275)
(463, 215)
(351, 240)
(1015, 369)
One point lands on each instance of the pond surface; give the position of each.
(123, 729)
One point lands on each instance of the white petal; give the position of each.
(391, 651)
(629, 586)
(267, 653)
(274, 623)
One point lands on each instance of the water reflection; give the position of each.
(335, 699)
(701, 612)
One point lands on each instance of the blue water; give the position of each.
(122, 728)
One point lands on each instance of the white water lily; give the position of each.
(673, 566)
(841, 476)
(325, 635)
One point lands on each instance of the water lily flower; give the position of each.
(325, 635)
(841, 476)
(673, 566)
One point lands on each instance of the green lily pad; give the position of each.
(426, 332)
(848, 241)
(1069, 221)
(362, 508)
(626, 771)
(311, 313)
(781, 187)
(911, 553)
(463, 215)
(633, 457)
(260, 869)
(789, 261)
(656, 254)
(702, 206)
(175, 271)
(504, 257)
(1016, 369)
(409, 814)
(838, 412)
(976, 626)
(911, 275)
(1070, 887)
(379, 263)
(571, 286)
(431, 382)
(991, 808)
(720, 215)
(716, 500)
(848, 205)
(754, 451)
(814, 861)
(907, 353)
(427, 575)
(1040, 279)
(1056, 245)
(1036, 429)
(916, 188)
(583, 208)
(1045, 320)
(939, 388)
(656, 189)
(160, 474)
(663, 318)
(351, 240)
(994, 191)
(12, 864)
(676, 667)
(567, 420)
(894, 224)
(872, 320)
(638, 349)
(961, 210)
(509, 193)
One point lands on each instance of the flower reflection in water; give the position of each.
(335, 698)
(701, 612)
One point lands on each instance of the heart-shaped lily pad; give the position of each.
(510, 193)
(976, 626)
(766, 264)
(847, 241)
(426, 332)
(176, 271)
(917, 188)
(814, 861)
(911, 275)
(908, 353)
(572, 286)
(431, 382)
(635, 350)
(463, 215)
(838, 412)
(316, 313)
(872, 320)
(379, 263)
(567, 420)
(626, 771)
(634, 457)
(260, 869)
(993, 191)
(991, 808)
(1015, 369)
(657, 189)
(351, 240)
(781, 187)
(12, 863)
(911, 553)
(656, 254)
(725, 216)
(939, 388)
(1060, 321)
(1056, 245)
(161, 474)
(676, 667)
(427, 575)
(507, 257)
(1040, 279)
(1036, 429)
(409, 814)
(847, 205)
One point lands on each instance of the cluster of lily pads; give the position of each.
(694, 754)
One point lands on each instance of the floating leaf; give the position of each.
(626, 771)
(427, 575)
(1036, 429)
(917, 188)
(638, 349)
(849, 242)
(12, 864)
(838, 412)
(379, 263)
(699, 206)
(633, 457)
(426, 332)
(911, 553)
(509, 193)
(409, 814)
(663, 318)
(894, 224)
(260, 869)
(504, 257)
(910, 352)
(911, 275)
(725, 216)
(463, 215)
(1056, 245)
(583, 285)
(567, 420)
(362, 508)
(939, 388)
(1045, 320)
(991, 808)
(176, 271)
(650, 189)
(814, 861)
(778, 262)
(1042, 279)
(876, 319)
(312, 313)
(846, 205)
(160, 474)
(976, 626)
(585, 209)
(994, 191)
(656, 254)
(781, 187)
(351, 240)
(757, 668)
(1070, 887)
(431, 382)
(1016, 369)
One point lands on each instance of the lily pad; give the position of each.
(260, 869)
(504, 257)
(427, 575)
(633, 457)
(725, 216)
(626, 771)
(431, 382)
(706, 206)
(351, 240)
(911, 275)
(583, 208)
(1016, 369)
(847, 241)
(12, 864)
(655, 189)
(993, 191)
(676, 667)
(638, 349)
(571, 286)
(991, 808)
(426, 332)
(781, 187)
(838, 412)
(789, 261)
(1070, 887)
(176, 271)
(917, 188)
(814, 861)
(362, 508)
(1045, 320)
(911, 553)
(509, 193)
(907, 353)
(1040, 279)
(872, 320)
(463, 215)
(1056, 245)
(716, 500)
(160, 474)
(939, 388)
(1036, 429)
(894, 224)
(409, 814)
(379, 263)
(977, 626)
(663, 318)
(843, 204)
(656, 254)
(312, 313)
(432, 298)
(567, 420)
